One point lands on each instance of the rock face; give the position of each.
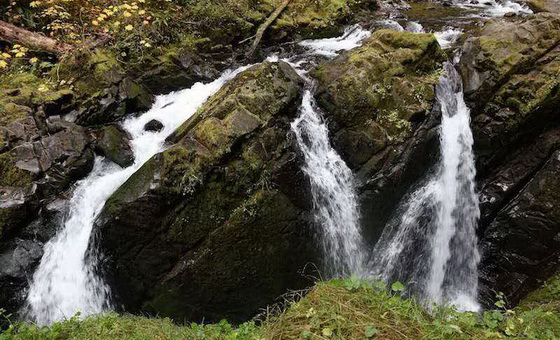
(379, 99)
(510, 71)
(216, 226)
(41, 157)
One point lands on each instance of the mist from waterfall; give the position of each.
(430, 243)
(65, 281)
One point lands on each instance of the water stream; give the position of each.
(65, 281)
(335, 201)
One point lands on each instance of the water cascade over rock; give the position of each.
(65, 281)
(431, 242)
(334, 195)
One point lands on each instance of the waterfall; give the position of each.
(65, 281)
(431, 242)
(334, 198)
(335, 202)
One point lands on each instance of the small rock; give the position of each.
(510, 14)
(113, 143)
(153, 125)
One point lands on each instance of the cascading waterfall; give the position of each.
(431, 242)
(335, 201)
(65, 282)
(334, 197)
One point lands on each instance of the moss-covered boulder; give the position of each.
(216, 225)
(375, 93)
(379, 100)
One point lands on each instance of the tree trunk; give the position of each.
(265, 25)
(32, 40)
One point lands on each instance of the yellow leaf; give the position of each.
(128, 27)
(95, 23)
(33, 60)
(3, 64)
(6, 55)
(20, 54)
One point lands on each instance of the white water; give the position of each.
(352, 37)
(448, 36)
(65, 281)
(334, 196)
(495, 8)
(431, 242)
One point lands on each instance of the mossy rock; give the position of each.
(503, 48)
(105, 92)
(317, 19)
(377, 91)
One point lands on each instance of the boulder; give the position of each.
(511, 80)
(113, 143)
(217, 225)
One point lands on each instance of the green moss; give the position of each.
(547, 296)
(12, 176)
(389, 79)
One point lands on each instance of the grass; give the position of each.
(337, 309)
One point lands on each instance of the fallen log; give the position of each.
(32, 40)
(262, 28)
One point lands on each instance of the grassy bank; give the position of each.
(337, 309)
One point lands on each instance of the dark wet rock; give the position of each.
(216, 226)
(153, 125)
(20, 254)
(17, 261)
(521, 246)
(114, 143)
(505, 180)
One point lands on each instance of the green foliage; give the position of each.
(338, 309)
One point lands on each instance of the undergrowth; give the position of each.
(337, 309)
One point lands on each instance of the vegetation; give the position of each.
(139, 29)
(337, 309)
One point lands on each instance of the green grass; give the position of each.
(338, 309)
